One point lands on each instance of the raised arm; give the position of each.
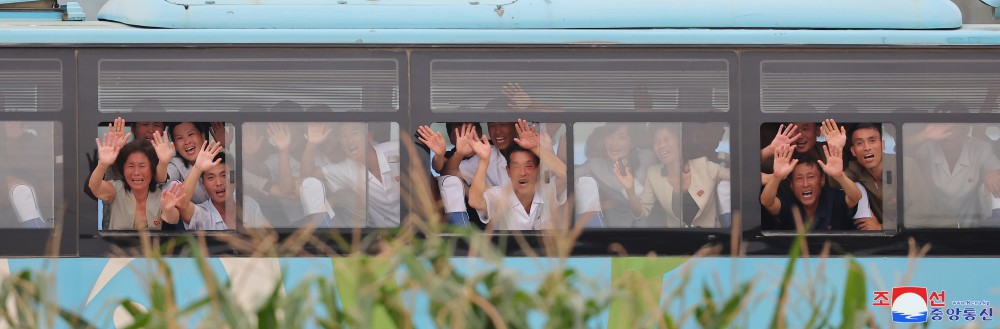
(282, 137)
(316, 134)
(481, 147)
(624, 174)
(834, 135)
(164, 152)
(786, 136)
(783, 166)
(204, 161)
(834, 167)
(462, 150)
(529, 139)
(435, 142)
(168, 203)
(107, 152)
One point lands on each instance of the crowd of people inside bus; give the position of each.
(815, 176)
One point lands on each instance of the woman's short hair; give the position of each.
(140, 145)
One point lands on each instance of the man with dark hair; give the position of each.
(866, 146)
(827, 208)
(523, 203)
(219, 212)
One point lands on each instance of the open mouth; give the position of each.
(189, 150)
(220, 192)
(353, 150)
(500, 140)
(807, 194)
(137, 181)
(869, 157)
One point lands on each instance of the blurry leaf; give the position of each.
(855, 306)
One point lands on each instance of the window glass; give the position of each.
(877, 86)
(158, 164)
(341, 175)
(515, 179)
(316, 85)
(652, 175)
(662, 85)
(952, 176)
(31, 85)
(838, 176)
(32, 172)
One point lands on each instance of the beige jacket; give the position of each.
(705, 178)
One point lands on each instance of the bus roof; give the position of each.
(531, 22)
(533, 14)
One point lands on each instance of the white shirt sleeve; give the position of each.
(587, 197)
(199, 219)
(864, 209)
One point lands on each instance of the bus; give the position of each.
(595, 81)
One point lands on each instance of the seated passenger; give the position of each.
(135, 203)
(219, 212)
(187, 138)
(452, 189)
(370, 173)
(525, 203)
(686, 194)
(868, 167)
(962, 175)
(815, 202)
(611, 145)
(27, 173)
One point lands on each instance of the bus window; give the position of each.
(32, 174)
(157, 164)
(250, 85)
(31, 85)
(952, 176)
(652, 175)
(344, 175)
(840, 176)
(580, 85)
(527, 161)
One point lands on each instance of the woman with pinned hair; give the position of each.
(135, 201)
(614, 145)
(679, 192)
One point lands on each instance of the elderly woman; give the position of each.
(678, 192)
(599, 189)
(135, 201)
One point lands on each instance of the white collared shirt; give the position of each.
(496, 172)
(508, 211)
(382, 201)
(958, 189)
(207, 218)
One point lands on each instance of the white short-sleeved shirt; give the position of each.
(382, 196)
(176, 170)
(958, 190)
(496, 172)
(207, 218)
(503, 206)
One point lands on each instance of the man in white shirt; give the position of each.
(370, 172)
(219, 211)
(523, 202)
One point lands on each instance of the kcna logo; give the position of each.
(909, 304)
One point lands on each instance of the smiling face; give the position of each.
(353, 140)
(501, 133)
(666, 146)
(866, 146)
(145, 130)
(138, 171)
(618, 143)
(807, 141)
(806, 183)
(216, 183)
(187, 140)
(523, 171)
